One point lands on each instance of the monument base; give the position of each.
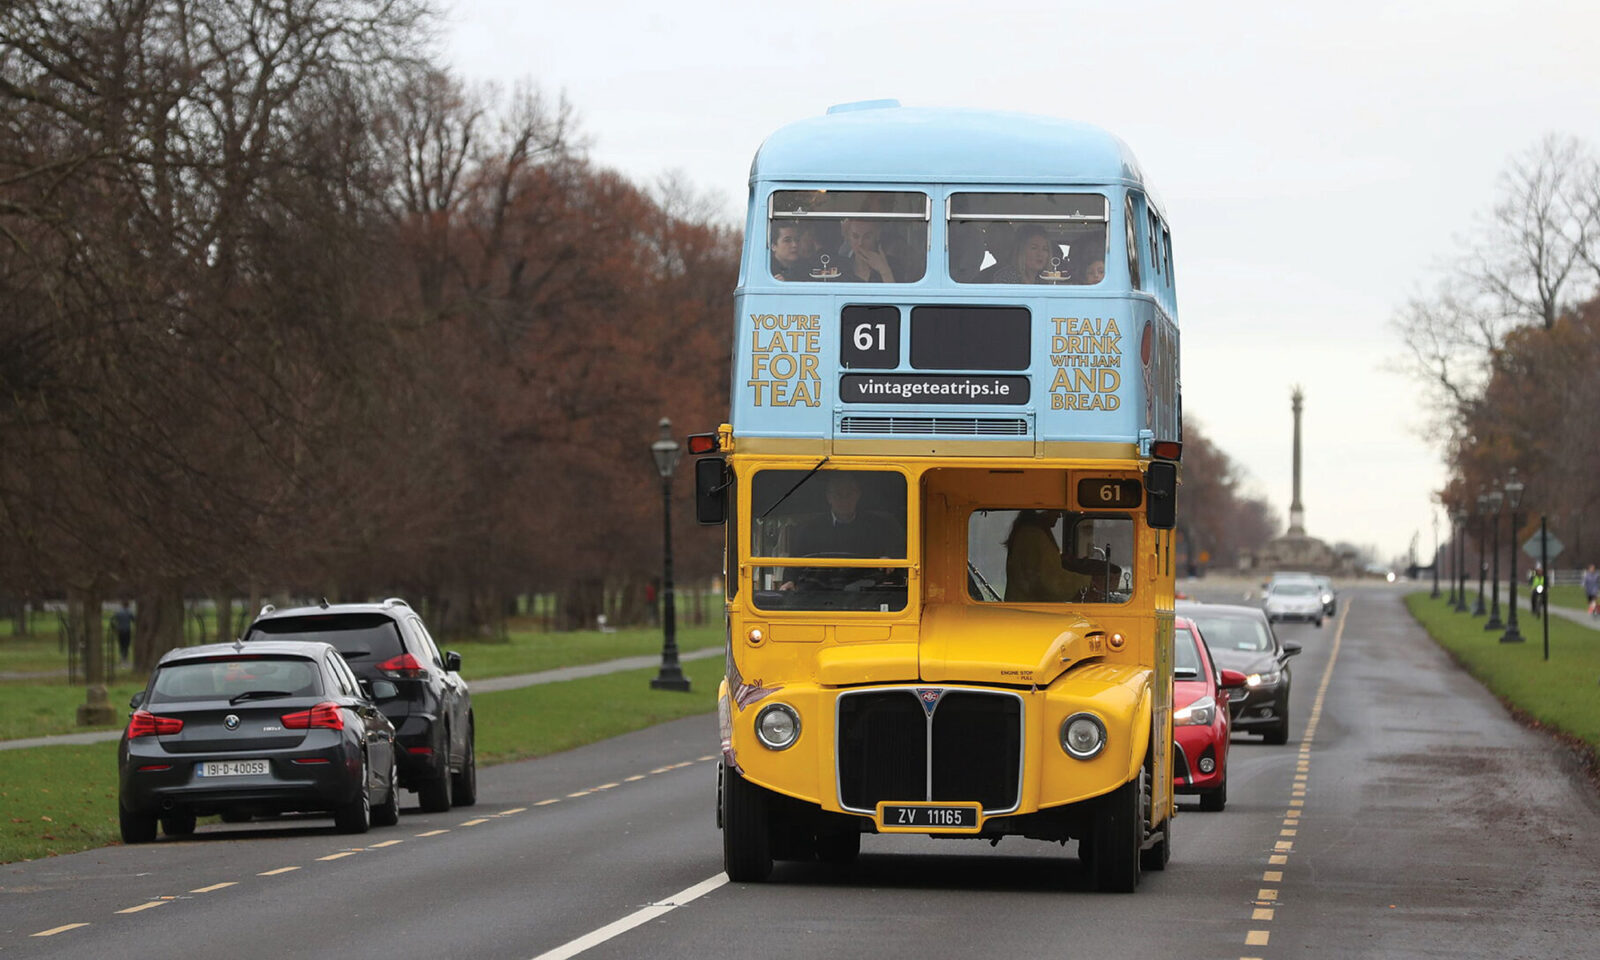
(1295, 552)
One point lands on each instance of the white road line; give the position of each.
(641, 916)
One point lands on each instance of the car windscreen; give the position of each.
(1234, 632)
(1185, 656)
(230, 677)
(1295, 589)
(360, 637)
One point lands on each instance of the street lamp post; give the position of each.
(1461, 559)
(1513, 500)
(1435, 594)
(1450, 554)
(666, 453)
(1493, 623)
(1483, 568)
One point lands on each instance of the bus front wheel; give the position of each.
(746, 830)
(1118, 835)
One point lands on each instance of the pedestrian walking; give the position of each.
(1591, 589)
(122, 623)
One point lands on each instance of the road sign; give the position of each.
(1531, 548)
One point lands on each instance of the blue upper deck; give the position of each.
(880, 142)
(942, 353)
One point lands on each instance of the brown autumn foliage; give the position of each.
(1216, 516)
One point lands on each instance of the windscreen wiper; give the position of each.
(259, 695)
(798, 484)
(982, 581)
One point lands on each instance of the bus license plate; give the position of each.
(948, 816)
(234, 768)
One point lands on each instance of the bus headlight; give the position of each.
(1083, 736)
(777, 726)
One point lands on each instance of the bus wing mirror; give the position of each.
(711, 490)
(1161, 484)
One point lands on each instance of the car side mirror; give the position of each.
(136, 700)
(1290, 648)
(452, 661)
(1233, 680)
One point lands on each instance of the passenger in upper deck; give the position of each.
(866, 260)
(1095, 272)
(1030, 257)
(785, 244)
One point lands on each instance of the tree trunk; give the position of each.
(226, 630)
(159, 627)
(89, 620)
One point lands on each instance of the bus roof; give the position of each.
(881, 141)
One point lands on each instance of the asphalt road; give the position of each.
(1417, 820)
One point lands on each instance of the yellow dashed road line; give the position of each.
(274, 873)
(432, 833)
(55, 930)
(338, 856)
(216, 886)
(474, 823)
(507, 813)
(145, 906)
(386, 843)
(546, 803)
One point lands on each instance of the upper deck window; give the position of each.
(1052, 238)
(848, 236)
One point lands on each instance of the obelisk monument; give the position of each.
(1297, 512)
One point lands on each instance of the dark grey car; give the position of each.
(1242, 639)
(272, 728)
(428, 702)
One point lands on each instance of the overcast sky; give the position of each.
(1318, 161)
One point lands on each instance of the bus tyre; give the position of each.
(1118, 834)
(1156, 856)
(746, 830)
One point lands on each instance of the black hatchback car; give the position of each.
(431, 706)
(272, 728)
(1242, 639)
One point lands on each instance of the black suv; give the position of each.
(431, 709)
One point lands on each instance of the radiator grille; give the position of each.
(884, 739)
(936, 426)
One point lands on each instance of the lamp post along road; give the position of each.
(1461, 559)
(1435, 594)
(666, 452)
(1483, 568)
(1513, 500)
(1450, 553)
(1493, 623)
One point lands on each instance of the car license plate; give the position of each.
(233, 768)
(930, 817)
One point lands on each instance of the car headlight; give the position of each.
(777, 726)
(1269, 677)
(1083, 736)
(1327, 598)
(1197, 714)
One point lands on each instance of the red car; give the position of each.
(1200, 722)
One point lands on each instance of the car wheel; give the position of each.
(179, 823)
(1118, 834)
(839, 848)
(746, 830)
(1278, 733)
(464, 785)
(356, 816)
(136, 827)
(434, 795)
(389, 814)
(1319, 623)
(1214, 800)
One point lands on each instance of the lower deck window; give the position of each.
(1049, 556)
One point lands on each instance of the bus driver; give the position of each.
(846, 531)
(1034, 573)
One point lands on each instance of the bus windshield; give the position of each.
(1049, 556)
(848, 236)
(1051, 238)
(829, 515)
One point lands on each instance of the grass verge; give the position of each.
(32, 708)
(56, 800)
(1559, 694)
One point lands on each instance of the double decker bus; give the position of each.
(948, 483)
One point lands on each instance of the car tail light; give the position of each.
(146, 724)
(322, 715)
(425, 751)
(306, 760)
(151, 767)
(403, 667)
